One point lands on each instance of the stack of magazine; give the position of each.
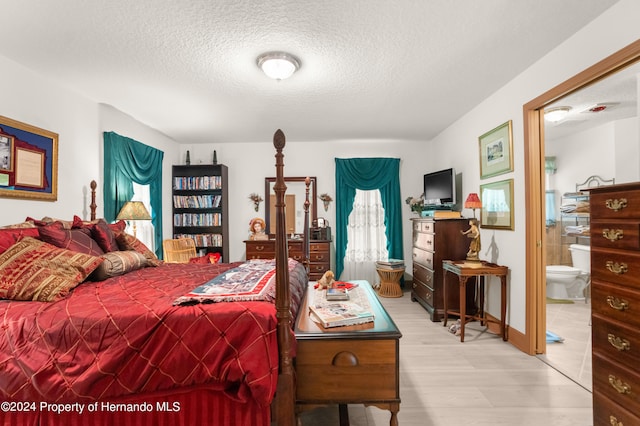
(390, 264)
(330, 313)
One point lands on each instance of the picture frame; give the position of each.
(30, 169)
(497, 205)
(496, 151)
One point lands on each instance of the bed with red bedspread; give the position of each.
(95, 330)
(123, 342)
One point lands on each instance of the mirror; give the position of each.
(294, 201)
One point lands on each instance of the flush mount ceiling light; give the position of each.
(278, 65)
(556, 114)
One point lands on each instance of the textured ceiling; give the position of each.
(371, 69)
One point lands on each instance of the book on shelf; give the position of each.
(341, 313)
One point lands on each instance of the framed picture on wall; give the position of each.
(28, 161)
(497, 205)
(496, 151)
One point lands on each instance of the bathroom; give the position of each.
(576, 151)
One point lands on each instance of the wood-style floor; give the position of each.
(481, 382)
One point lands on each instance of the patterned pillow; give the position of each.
(34, 270)
(71, 239)
(118, 263)
(10, 236)
(129, 242)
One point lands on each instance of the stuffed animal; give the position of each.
(327, 280)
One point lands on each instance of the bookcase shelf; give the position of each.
(201, 208)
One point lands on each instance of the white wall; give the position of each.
(613, 30)
(250, 163)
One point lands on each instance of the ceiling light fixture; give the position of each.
(556, 114)
(278, 65)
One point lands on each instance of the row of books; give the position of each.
(196, 201)
(197, 182)
(203, 240)
(338, 313)
(197, 219)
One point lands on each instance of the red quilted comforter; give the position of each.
(123, 336)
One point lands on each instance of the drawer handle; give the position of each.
(619, 343)
(617, 268)
(613, 421)
(613, 234)
(259, 248)
(617, 304)
(345, 359)
(414, 285)
(619, 385)
(616, 204)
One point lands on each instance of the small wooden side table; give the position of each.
(390, 281)
(465, 270)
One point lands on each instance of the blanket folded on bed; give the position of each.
(251, 281)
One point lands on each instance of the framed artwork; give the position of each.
(28, 161)
(496, 151)
(497, 205)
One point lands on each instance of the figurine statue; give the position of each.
(474, 233)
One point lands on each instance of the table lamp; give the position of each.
(133, 211)
(473, 202)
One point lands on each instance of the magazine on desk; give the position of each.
(329, 313)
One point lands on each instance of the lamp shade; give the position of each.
(133, 210)
(473, 201)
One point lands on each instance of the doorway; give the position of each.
(535, 186)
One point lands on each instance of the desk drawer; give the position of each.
(615, 303)
(622, 236)
(423, 257)
(616, 341)
(424, 241)
(423, 226)
(616, 382)
(422, 274)
(607, 412)
(335, 370)
(615, 205)
(619, 267)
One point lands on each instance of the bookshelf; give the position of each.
(201, 208)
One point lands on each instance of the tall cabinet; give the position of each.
(615, 304)
(435, 240)
(201, 208)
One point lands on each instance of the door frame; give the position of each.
(535, 184)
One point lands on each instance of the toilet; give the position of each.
(569, 282)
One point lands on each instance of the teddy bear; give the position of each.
(327, 280)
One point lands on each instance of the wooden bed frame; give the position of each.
(283, 406)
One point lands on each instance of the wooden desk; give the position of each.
(357, 364)
(465, 270)
(390, 281)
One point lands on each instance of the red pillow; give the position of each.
(71, 239)
(129, 242)
(10, 236)
(207, 258)
(118, 227)
(102, 233)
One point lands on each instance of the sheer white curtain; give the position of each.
(366, 238)
(144, 228)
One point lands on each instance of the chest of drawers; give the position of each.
(615, 298)
(435, 240)
(319, 254)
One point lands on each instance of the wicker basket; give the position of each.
(179, 250)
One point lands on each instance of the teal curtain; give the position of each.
(368, 174)
(127, 161)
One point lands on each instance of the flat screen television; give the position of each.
(440, 189)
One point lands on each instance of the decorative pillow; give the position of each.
(10, 236)
(118, 263)
(66, 224)
(129, 242)
(105, 237)
(34, 270)
(71, 239)
(25, 224)
(118, 227)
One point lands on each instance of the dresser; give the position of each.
(319, 253)
(615, 304)
(435, 240)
